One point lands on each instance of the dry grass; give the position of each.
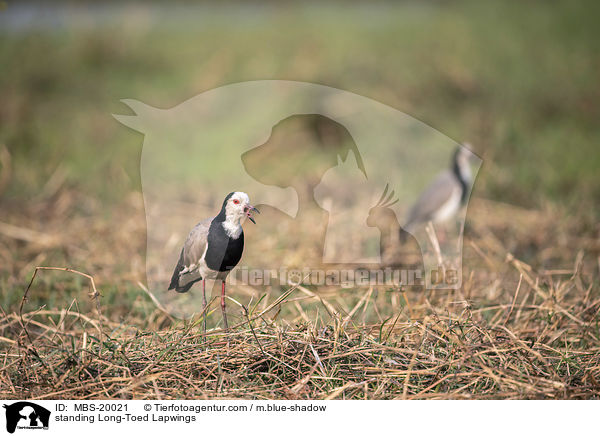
(514, 330)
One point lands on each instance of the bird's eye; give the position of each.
(236, 201)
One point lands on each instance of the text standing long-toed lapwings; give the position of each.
(213, 248)
(444, 197)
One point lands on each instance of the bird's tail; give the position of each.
(176, 276)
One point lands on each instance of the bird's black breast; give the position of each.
(463, 183)
(223, 252)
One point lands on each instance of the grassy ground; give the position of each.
(514, 330)
(518, 81)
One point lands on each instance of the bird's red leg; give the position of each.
(223, 304)
(204, 308)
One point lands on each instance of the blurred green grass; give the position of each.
(516, 79)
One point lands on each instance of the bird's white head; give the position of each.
(236, 208)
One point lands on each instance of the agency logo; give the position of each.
(24, 415)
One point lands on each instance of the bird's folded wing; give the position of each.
(432, 199)
(195, 244)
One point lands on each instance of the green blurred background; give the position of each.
(518, 80)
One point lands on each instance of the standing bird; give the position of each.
(444, 197)
(213, 248)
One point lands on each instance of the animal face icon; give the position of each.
(26, 414)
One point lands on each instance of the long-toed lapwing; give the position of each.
(444, 197)
(213, 248)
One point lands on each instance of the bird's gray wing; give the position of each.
(186, 273)
(432, 199)
(195, 244)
